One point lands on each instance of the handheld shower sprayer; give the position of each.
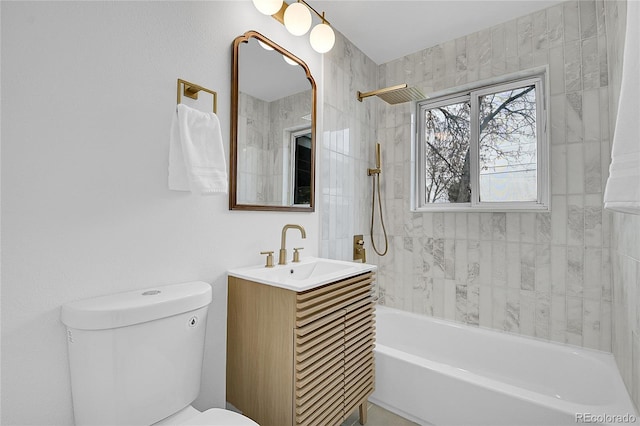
(376, 179)
(377, 170)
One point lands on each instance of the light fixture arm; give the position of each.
(324, 21)
(279, 16)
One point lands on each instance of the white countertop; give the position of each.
(307, 274)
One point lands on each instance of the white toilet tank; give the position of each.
(136, 357)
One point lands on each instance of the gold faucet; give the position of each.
(283, 249)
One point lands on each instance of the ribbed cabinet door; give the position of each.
(328, 320)
(359, 343)
(319, 371)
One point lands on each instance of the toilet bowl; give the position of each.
(212, 417)
(136, 358)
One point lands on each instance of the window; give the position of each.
(484, 148)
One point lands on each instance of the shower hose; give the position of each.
(376, 179)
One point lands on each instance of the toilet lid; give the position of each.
(220, 417)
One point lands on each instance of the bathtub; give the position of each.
(437, 372)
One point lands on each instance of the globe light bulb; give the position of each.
(322, 38)
(268, 7)
(289, 60)
(264, 45)
(297, 19)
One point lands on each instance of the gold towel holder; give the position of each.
(191, 90)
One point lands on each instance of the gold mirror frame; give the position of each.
(233, 181)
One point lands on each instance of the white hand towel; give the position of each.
(196, 155)
(622, 192)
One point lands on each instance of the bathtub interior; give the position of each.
(550, 369)
(563, 378)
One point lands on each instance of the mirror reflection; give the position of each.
(273, 131)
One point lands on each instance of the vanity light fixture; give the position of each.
(322, 37)
(268, 7)
(297, 19)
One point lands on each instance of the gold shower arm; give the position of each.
(361, 95)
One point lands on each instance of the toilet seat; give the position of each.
(219, 417)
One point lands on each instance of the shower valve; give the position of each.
(359, 253)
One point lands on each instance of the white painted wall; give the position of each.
(88, 91)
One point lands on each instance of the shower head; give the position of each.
(395, 94)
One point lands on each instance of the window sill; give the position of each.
(498, 208)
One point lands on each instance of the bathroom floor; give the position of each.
(378, 416)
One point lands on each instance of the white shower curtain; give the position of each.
(622, 192)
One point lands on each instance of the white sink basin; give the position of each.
(309, 273)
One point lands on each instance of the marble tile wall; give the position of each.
(546, 275)
(625, 247)
(349, 133)
(253, 143)
(570, 276)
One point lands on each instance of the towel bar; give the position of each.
(191, 90)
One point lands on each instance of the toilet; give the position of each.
(136, 357)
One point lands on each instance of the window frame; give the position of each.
(472, 94)
(289, 186)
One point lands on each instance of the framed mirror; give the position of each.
(273, 121)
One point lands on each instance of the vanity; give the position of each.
(300, 341)
(300, 335)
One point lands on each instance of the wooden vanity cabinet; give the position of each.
(300, 358)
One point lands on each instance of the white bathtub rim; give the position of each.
(621, 402)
